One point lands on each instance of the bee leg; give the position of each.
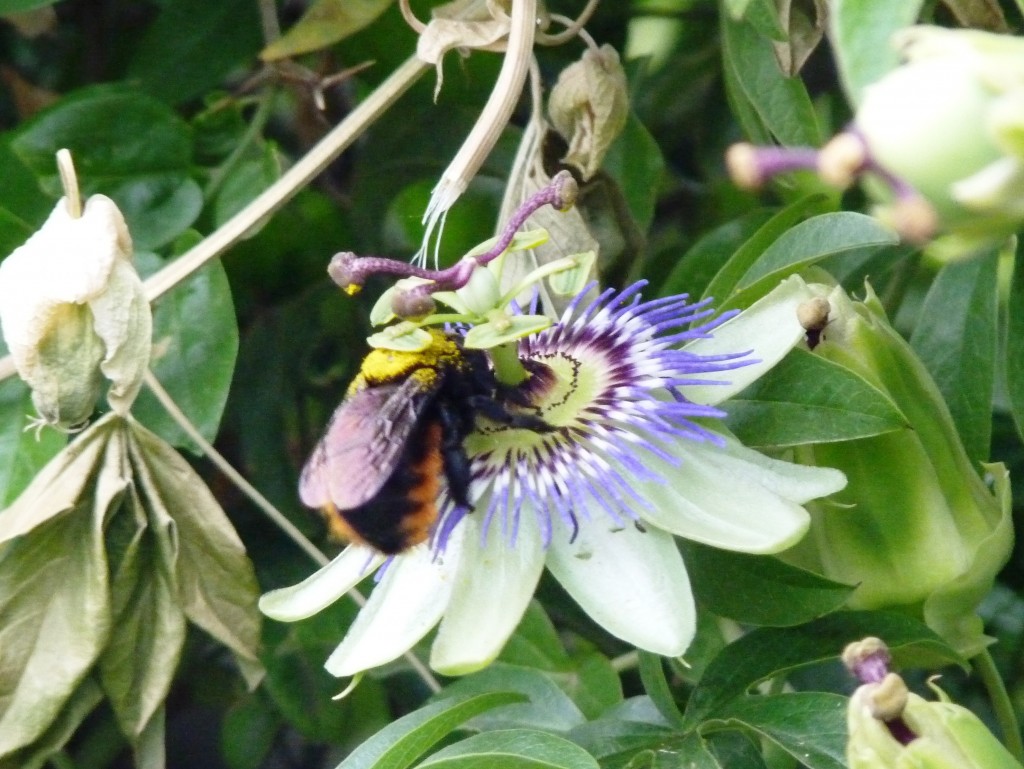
(494, 410)
(454, 428)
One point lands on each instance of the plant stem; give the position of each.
(267, 507)
(508, 369)
(985, 666)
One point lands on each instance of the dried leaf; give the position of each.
(55, 598)
(138, 665)
(589, 106)
(804, 22)
(460, 25)
(215, 580)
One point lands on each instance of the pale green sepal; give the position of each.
(452, 300)
(408, 602)
(403, 337)
(632, 583)
(521, 241)
(768, 329)
(504, 330)
(323, 588)
(571, 282)
(494, 583)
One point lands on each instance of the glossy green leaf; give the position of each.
(174, 67)
(812, 240)
(695, 269)
(216, 586)
(512, 749)
(780, 102)
(728, 277)
(23, 452)
(860, 34)
(758, 589)
(806, 244)
(808, 399)
(634, 161)
(195, 342)
(126, 145)
(1013, 358)
(768, 652)
(652, 675)
(548, 706)
(810, 726)
(399, 744)
(244, 183)
(325, 22)
(956, 337)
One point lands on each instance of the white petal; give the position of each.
(797, 483)
(632, 583)
(769, 328)
(403, 608)
(320, 590)
(493, 585)
(721, 501)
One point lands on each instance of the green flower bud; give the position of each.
(916, 527)
(74, 313)
(925, 735)
(948, 122)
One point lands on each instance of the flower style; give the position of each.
(630, 463)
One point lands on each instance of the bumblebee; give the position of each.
(377, 471)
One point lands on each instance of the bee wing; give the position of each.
(362, 445)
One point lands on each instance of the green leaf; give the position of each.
(536, 642)
(23, 453)
(216, 585)
(780, 102)
(803, 401)
(652, 675)
(768, 652)
(399, 744)
(1013, 358)
(956, 338)
(325, 22)
(23, 206)
(193, 45)
(758, 589)
(860, 34)
(635, 162)
(810, 726)
(126, 145)
(812, 240)
(244, 183)
(512, 749)
(195, 342)
(728, 277)
(805, 244)
(549, 708)
(140, 660)
(694, 270)
(55, 609)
